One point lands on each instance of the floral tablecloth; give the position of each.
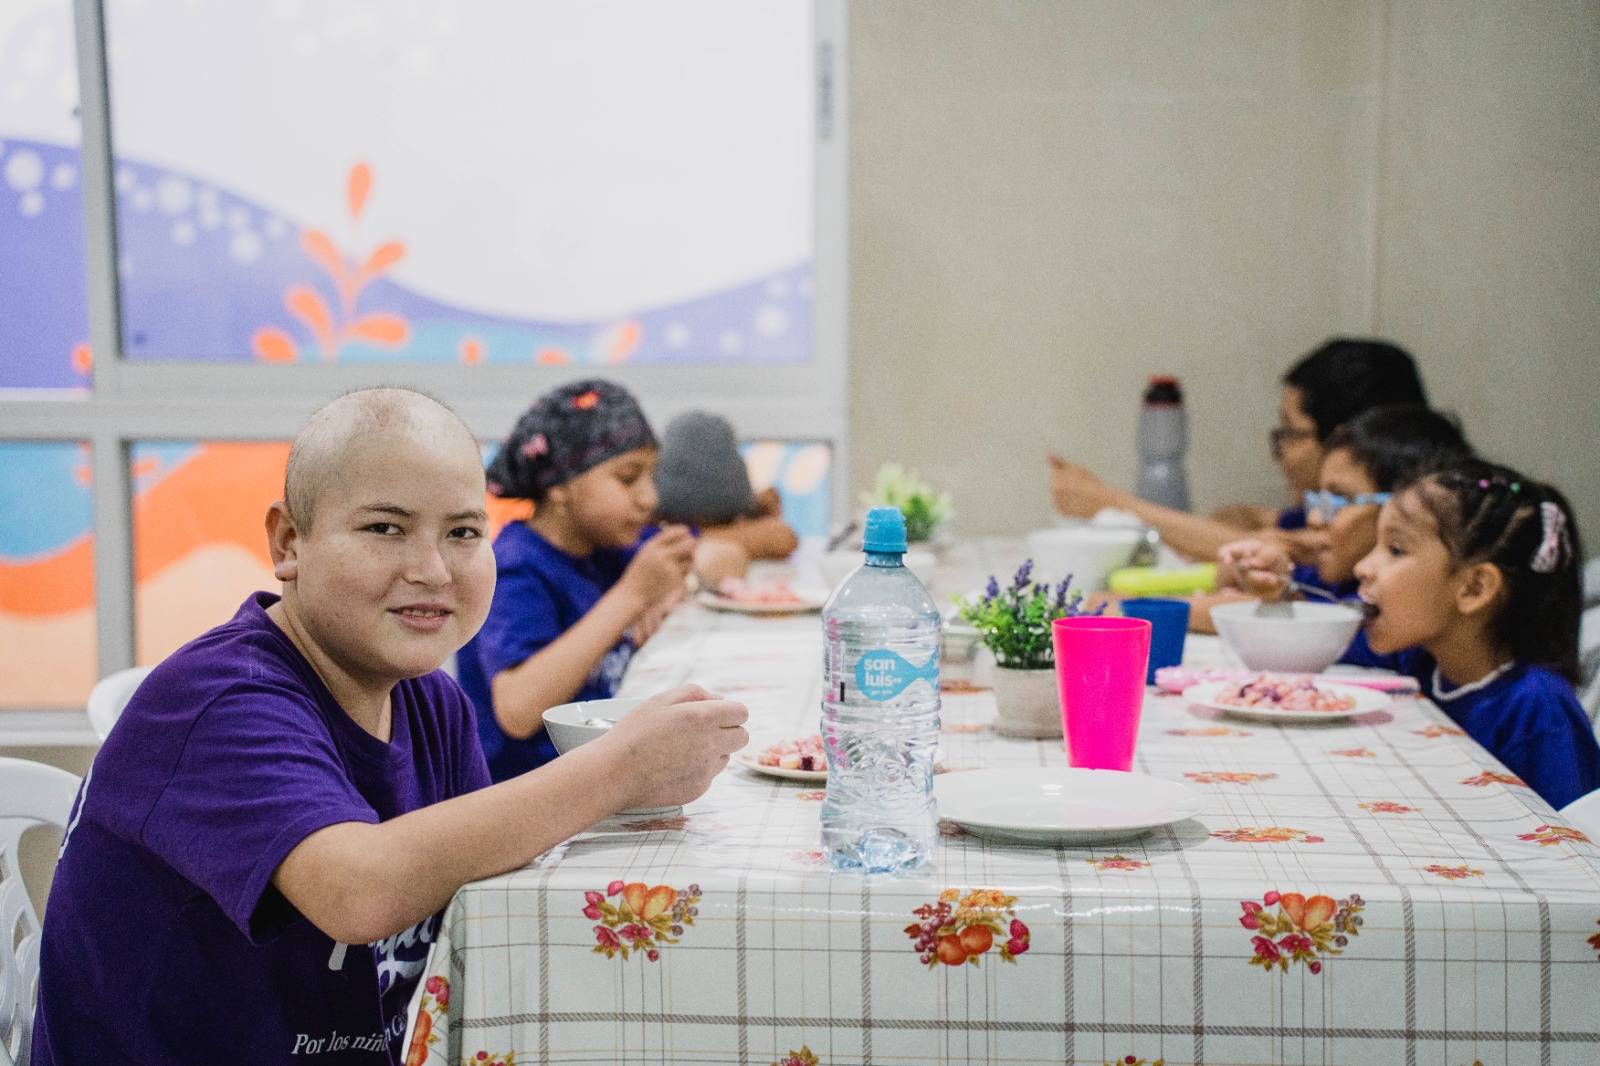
(1378, 891)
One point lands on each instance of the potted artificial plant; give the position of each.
(1014, 623)
(923, 508)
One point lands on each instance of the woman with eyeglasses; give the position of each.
(1364, 462)
(1325, 389)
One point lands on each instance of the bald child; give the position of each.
(255, 866)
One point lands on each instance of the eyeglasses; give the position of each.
(1282, 434)
(1327, 504)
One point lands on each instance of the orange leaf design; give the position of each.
(658, 900)
(624, 340)
(316, 244)
(385, 256)
(633, 894)
(82, 358)
(388, 330)
(552, 357)
(1307, 914)
(306, 304)
(360, 186)
(273, 346)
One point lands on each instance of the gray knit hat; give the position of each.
(699, 474)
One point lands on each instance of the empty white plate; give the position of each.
(1062, 806)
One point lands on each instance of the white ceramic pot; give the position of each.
(1028, 701)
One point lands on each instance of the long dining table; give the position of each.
(1374, 890)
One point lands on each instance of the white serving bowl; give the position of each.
(1309, 641)
(1088, 552)
(569, 726)
(838, 565)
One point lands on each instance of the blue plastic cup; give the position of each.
(1169, 624)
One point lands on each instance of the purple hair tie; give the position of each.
(1554, 522)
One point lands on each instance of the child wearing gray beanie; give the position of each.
(702, 481)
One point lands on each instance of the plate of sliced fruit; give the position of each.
(1269, 698)
(800, 759)
(761, 597)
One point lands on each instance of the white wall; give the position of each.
(1052, 199)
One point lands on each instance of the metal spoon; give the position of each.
(600, 723)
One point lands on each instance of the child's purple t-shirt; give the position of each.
(540, 592)
(164, 939)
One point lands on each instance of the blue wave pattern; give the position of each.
(44, 294)
(45, 502)
(202, 270)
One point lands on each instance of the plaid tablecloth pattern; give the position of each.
(1376, 891)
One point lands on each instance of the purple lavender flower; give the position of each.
(991, 593)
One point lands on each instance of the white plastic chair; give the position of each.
(112, 693)
(1583, 814)
(31, 794)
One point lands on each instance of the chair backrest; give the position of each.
(31, 794)
(1583, 814)
(110, 694)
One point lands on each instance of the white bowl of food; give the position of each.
(1307, 640)
(1088, 552)
(575, 724)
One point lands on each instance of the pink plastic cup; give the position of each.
(1100, 669)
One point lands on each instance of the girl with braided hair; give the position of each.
(1474, 582)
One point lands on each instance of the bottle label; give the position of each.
(882, 674)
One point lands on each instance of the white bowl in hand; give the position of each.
(572, 725)
(1309, 640)
(1088, 552)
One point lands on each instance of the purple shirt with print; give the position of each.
(164, 939)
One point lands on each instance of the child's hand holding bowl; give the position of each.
(675, 742)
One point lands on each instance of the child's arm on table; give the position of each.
(361, 882)
(554, 674)
(1078, 493)
(764, 534)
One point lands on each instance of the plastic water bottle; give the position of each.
(1163, 438)
(880, 709)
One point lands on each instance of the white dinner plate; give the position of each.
(748, 761)
(1366, 699)
(806, 601)
(1062, 806)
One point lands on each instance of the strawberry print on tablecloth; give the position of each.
(643, 919)
(1492, 777)
(435, 1004)
(959, 928)
(1267, 834)
(1302, 929)
(1435, 731)
(1118, 862)
(1546, 835)
(1229, 777)
(1387, 807)
(804, 1057)
(1452, 873)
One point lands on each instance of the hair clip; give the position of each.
(1483, 483)
(1516, 486)
(1553, 538)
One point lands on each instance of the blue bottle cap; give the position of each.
(886, 530)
